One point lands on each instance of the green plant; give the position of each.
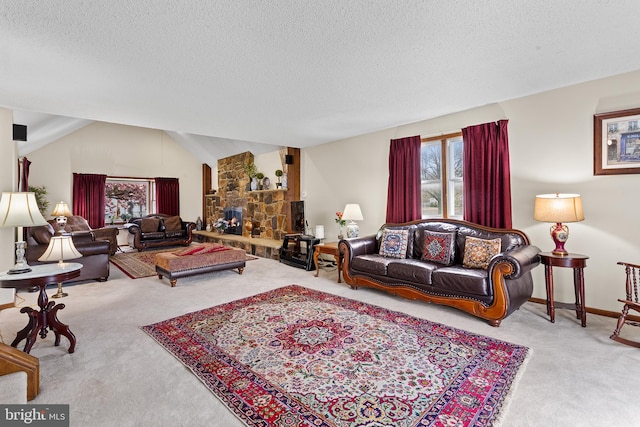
(251, 169)
(259, 175)
(41, 198)
(279, 173)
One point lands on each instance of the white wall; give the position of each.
(551, 150)
(117, 150)
(8, 182)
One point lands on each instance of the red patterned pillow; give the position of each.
(190, 250)
(439, 247)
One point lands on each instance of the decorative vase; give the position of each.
(284, 180)
(209, 227)
(254, 183)
(340, 235)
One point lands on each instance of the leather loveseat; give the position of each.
(95, 252)
(159, 230)
(76, 223)
(483, 271)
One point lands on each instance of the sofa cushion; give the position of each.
(411, 270)
(394, 243)
(371, 264)
(175, 233)
(478, 252)
(173, 223)
(152, 236)
(149, 225)
(439, 247)
(410, 241)
(455, 280)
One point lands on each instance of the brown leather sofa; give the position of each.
(159, 230)
(95, 252)
(77, 223)
(483, 271)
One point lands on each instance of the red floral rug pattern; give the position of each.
(298, 357)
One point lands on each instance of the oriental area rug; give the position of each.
(299, 357)
(142, 264)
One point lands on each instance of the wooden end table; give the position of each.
(47, 318)
(330, 248)
(578, 263)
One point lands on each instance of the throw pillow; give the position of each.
(149, 225)
(478, 252)
(173, 223)
(190, 250)
(439, 247)
(394, 243)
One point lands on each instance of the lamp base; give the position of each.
(60, 294)
(559, 234)
(21, 265)
(352, 230)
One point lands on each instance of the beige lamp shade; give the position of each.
(352, 212)
(20, 210)
(59, 249)
(558, 208)
(61, 209)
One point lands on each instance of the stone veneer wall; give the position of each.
(267, 209)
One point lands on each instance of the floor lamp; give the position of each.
(59, 249)
(20, 210)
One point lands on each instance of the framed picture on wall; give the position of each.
(616, 142)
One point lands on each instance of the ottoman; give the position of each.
(198, 259)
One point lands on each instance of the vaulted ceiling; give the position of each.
(225, 76)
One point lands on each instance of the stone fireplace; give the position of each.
(233, 216)
(266, 209)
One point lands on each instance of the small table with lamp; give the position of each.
(47, 318)
(578, 263)
(330, 248)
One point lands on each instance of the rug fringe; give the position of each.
(506, 401)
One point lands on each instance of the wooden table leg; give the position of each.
(316, 254)
(548, 279)
(578, 283)
(339, 264)
(60, 328)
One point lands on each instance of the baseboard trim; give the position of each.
(599, 312)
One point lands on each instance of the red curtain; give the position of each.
(88, 198)
(403, 193)
(23, 174)
(486, 175)
(168, 196)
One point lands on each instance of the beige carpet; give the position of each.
(119, 376)
(142, 264)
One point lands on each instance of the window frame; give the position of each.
(149, 198)
(445, 178)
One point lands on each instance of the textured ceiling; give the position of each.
(299, 72)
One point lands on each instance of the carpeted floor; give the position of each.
(137, 264)
(298, 357)
(119, 376)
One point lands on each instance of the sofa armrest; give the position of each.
(523, 259)
(359, 246)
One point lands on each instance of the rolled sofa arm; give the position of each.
(523, 259)
(359, 246)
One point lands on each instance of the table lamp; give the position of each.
(59, 249)
(20, 210)
(319, 232)
(352, 213)
(61, 212)
(558, 208)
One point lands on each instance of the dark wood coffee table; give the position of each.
(47, 317)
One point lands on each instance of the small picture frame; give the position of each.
(616, 142)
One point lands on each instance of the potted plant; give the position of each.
(260, 177)
(252, 170)
(41, 199)
(279, 175)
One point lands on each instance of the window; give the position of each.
(127, 198)
(441, 176)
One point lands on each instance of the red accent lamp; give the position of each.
(558, 208)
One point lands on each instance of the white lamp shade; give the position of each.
(59, 249)
(558, 208)
(20, 210)
(61, 209)
(352, 212)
